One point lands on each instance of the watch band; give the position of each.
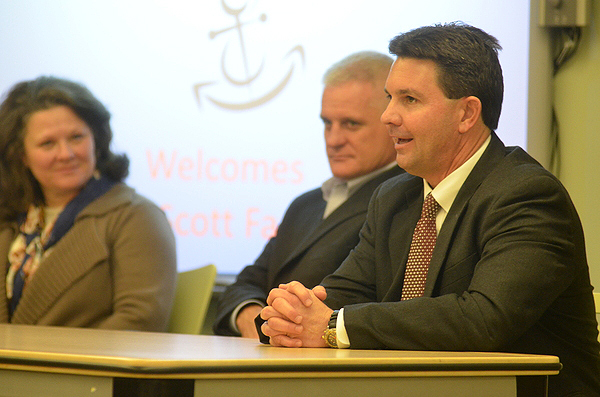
(333, 319)
(330, 335)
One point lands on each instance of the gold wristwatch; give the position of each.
(330, 336)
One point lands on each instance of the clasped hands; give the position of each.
(296, 316)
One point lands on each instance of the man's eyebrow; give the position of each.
(352, 120)
(403, 91)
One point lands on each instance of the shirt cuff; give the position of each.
(236, 311)
(343, 341)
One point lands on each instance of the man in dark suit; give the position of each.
(508, 271)
(321, 226)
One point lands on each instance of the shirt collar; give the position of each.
(353, 184)
(447, 190)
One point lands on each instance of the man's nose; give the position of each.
(389, 116)
(335, 136)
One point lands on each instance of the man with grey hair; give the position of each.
(321, 226)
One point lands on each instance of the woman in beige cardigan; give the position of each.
(78, 247)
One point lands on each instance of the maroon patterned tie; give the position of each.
(421, 248)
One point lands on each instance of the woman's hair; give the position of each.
(18, 188)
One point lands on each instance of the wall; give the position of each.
(577, 102)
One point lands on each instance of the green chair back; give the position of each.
(192, 298)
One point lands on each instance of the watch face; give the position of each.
(330, 337)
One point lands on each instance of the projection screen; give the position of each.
(216, 102)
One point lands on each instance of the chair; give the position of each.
(192, 297)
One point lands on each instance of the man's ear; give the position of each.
(470, 113)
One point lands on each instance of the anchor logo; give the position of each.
(249, 77)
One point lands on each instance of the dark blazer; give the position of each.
(508, 273)
(306, 248)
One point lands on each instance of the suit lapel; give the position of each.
(490, 158)
(349, 209)
(354, 206)
(314, 228)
